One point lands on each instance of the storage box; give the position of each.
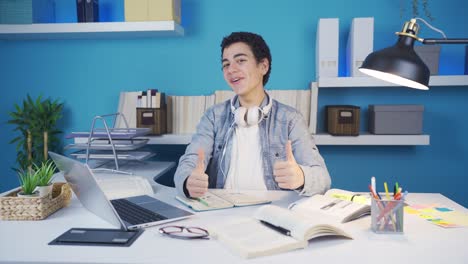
(430, 56)
(152, 10)
(153, 118)
(342, 120)
(27, 11)
(13, 207)
(396, 119)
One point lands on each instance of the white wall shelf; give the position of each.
(90, 30)
(320, 139)
(370, 139)
(355, 82)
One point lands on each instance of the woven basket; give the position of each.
(34, 208)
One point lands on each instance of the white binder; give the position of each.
(326, 48)
(360, 44)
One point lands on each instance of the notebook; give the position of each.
(127, 213)
(220, 199)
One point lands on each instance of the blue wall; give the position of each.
(89, 74)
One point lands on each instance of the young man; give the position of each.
(250, 142)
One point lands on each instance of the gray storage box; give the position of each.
(396, 119)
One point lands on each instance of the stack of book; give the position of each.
(180, 114)
(186, 111)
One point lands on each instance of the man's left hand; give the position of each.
(288, 174)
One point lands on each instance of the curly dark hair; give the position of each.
(256, 43)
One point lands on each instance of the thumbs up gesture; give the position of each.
(197, 182)
(287, 173)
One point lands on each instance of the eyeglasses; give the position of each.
(182, 232)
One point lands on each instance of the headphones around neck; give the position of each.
(245, 117)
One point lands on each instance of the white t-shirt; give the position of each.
(245, 168)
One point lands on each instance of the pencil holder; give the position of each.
(387, 216)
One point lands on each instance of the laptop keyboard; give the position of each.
(135, 214)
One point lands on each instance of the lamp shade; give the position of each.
(398, 64)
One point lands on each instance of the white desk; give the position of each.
(149, 169)
(422, 242)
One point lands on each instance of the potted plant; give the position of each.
(28, 180)
(44, 174)
(36, 120)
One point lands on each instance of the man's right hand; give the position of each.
(197, 182)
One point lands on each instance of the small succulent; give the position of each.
(45, 172)
(28, 180)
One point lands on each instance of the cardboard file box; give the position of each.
(154, 118)
(396, 119)
(27, 11)
(342, 120)
(152, 10)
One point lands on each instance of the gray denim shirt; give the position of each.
(283, 123)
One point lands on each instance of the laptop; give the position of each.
(127, 213)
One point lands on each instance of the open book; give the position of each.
(274, 230)
(122, 186)
(343, 205)
(221, 199)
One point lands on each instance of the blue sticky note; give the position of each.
(443, 209)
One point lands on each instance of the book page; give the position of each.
(349, 196)
(342, 210)
(124, 186)
(250, 238)
(238, 198)
(206, 202)
(284, 218)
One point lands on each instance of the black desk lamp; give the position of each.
(399, 64)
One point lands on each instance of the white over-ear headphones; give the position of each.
(253, 115)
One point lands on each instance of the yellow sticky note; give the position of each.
(410, 210)
(456, 217)
(428, 210)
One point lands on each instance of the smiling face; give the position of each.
(242, 71)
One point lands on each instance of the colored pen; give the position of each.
(378, 201)
(202, 202)
(386, 190)
(395, 206)
(280, 229)
(397, 188)
(389, 207)
(373, 192)
(373, 184)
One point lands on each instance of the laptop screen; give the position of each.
(86, 188)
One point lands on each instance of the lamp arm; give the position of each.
(432, 41)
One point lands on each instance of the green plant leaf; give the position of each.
(28, 180)
(45, 172)
(34, 116)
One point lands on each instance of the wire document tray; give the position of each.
(109, 142)
(100, 144)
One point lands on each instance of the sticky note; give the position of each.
(443, 209)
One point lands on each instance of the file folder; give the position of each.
(360, 44)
